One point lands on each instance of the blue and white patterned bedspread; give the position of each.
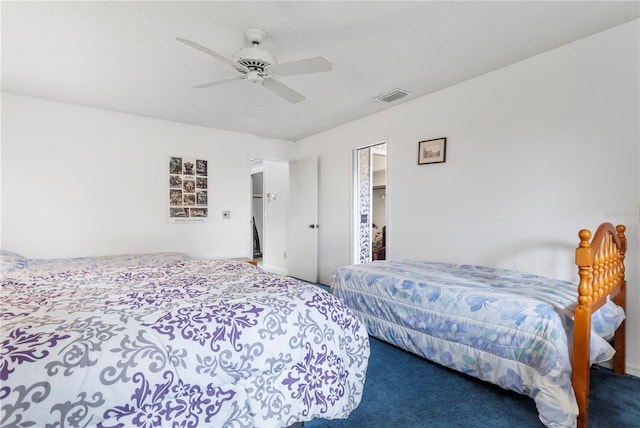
(202, 343)
(509, 328)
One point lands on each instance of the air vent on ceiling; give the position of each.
(392, 96)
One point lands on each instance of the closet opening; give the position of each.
(370, 204)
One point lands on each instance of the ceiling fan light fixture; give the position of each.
(254, 76)
(392, 96)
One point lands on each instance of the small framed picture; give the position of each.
(432, 151)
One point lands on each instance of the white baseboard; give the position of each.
(324, 281)
(633, 369)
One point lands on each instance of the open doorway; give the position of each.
(370, 219)
(268, 215)
(284, 216)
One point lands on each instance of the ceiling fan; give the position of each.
(260, 66)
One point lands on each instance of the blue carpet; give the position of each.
(403, 390)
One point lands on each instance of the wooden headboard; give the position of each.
(601, 268)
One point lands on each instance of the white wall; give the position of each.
(79, 181)
(536, 151)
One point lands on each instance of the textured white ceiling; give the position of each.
(123, 56)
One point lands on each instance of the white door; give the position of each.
(302, 242)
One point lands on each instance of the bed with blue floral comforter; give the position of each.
(174, 342)
(509, 328)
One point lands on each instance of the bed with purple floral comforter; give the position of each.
(200, 343)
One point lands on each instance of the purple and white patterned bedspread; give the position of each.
(202, 343)
(34, 266)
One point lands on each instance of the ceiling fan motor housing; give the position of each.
(254, 58)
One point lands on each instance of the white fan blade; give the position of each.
(282, 90)
(219, 82)
(208, 51)
(303, 66)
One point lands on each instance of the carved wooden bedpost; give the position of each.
(619, 339)
(582, 327)
(601, 269)
(585, 268)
